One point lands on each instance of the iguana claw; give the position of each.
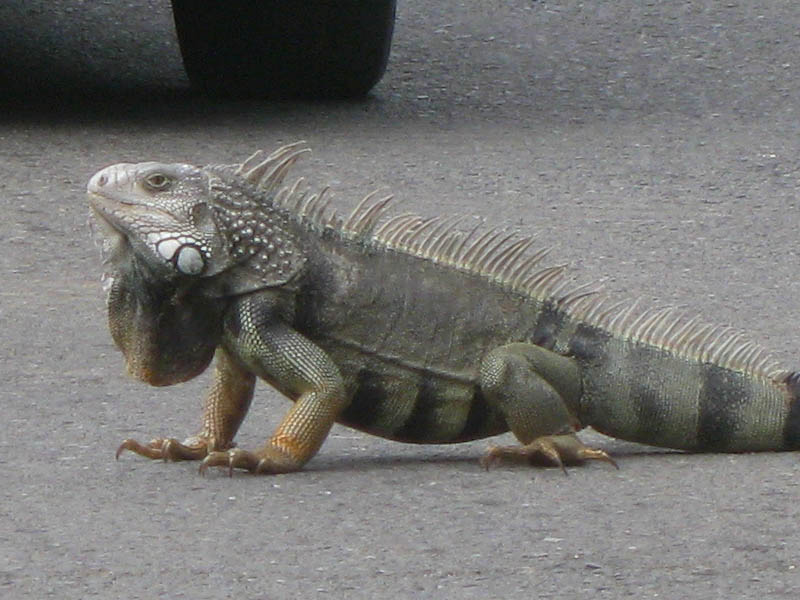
(264, 461)
(167, 449)
(552, 450)
(234, 459)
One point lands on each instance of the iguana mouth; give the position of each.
(113, 243)
(108, 228)
(106, 234)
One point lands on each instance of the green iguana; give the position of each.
(405, 327)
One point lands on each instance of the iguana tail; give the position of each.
(667, 381)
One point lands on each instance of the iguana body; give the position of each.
(404, 328)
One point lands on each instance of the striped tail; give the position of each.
(791, 431)
(676, 397)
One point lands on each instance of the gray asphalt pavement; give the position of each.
(654, 145)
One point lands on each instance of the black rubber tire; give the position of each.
(285, 48)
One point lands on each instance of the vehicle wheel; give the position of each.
(285, 48)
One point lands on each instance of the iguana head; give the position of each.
(158, 212)
(178, 240)
(185, 221)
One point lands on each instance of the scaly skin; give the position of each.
(408, 329)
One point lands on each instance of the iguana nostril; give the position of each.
(98, 180)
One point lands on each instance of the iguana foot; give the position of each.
(549, 450)
(168, 449)
(266, 461)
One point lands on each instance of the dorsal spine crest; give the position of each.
(503, 258)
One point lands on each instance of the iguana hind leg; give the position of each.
(225, 407)
(537, 391)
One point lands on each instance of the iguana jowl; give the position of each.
(403, 327)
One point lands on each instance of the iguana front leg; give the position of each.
(223, 411)
(537, 391)
(299, 369)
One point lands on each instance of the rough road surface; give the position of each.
(654, 144)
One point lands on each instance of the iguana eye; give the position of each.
(157, 182)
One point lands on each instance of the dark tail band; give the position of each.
(791, 431)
